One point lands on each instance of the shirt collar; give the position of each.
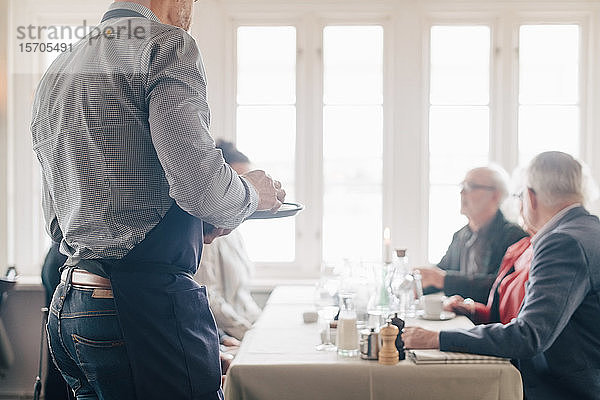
(553, 222)
(127, 5)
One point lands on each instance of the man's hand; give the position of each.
(432, 276)
(230, 341)
(419, 338)
(459, 305)
(226, 360)
(270, 192)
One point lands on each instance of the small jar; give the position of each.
(347, 332)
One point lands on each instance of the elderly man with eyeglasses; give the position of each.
(474, 256)
(555, 338)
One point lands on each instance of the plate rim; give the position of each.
(285, 213)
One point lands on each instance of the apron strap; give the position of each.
(120, 13)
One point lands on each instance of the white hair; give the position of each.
(556, 177)
(498, 179)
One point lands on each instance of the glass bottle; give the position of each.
(347, 332)
(403, 284)
(380, 302)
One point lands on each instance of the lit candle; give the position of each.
(387, 246)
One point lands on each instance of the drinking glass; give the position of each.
(326, 303)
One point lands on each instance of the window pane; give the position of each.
(543, 128)
(266, 65)
(459, 123)
(269, 240)
(549, 113)
(261, 129)
(548, 64)
(460, 64)
(352, 142)
(353, 64)
(266, 120)
(450, 129)
(357, 207)
(444, 219)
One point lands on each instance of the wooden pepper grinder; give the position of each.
(388, 355)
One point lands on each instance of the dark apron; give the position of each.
(169, 330)
(170, 333)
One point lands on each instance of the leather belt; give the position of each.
(83, 278)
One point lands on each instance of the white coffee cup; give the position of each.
(433, 304)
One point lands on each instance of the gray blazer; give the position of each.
(555, 339)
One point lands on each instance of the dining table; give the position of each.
(278, 360)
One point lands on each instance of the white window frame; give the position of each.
(309, 118)
(406, 35)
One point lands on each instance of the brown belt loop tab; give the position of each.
(102, 294)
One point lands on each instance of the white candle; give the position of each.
(387, 246)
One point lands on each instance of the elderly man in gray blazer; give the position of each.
(555, 339)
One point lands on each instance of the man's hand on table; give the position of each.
(432, 276)
(270, 193)
(419, 338)
(459, 305)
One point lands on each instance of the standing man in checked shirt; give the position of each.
(130, 171)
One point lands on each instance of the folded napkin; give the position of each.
(446, 357)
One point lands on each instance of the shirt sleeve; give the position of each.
(558, 284)
(481, 314)
(52, 227)
(200, 181)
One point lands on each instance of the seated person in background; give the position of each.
(555, 338)
(474, 256)
(225, 268)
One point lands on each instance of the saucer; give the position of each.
(444, 316)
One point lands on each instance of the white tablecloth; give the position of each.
(278, 361)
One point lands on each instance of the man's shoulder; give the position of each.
(579, 225)
(579, 230)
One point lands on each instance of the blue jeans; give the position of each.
(171, 350)
(87, 345)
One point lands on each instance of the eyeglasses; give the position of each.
(467, 187)
(518, 196)
(521, 194)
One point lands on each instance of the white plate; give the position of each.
(286, 210)
(444, 316)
